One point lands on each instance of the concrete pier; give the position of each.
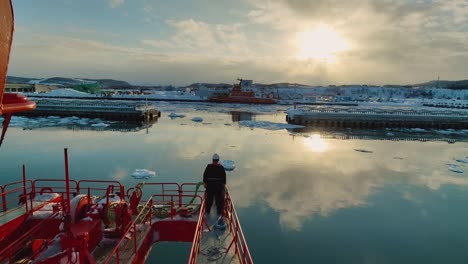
(105, 109)
(377, 118)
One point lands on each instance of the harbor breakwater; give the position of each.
(105, 109)
(377, 118)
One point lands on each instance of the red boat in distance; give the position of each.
(240, 95)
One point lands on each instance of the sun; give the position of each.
(320, 43)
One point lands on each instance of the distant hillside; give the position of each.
(110, 83)
(69, 82)
(14, 79)
(210, 85)
(455, 85)
(61, 80)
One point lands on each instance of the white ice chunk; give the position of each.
(100, 125)
(465, 160)
(174, 115)
(228, 165)
(454, 168)
(267, 125)
(143, 174)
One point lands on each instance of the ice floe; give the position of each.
(174, 115)
(454, 168)
(56, 121)
(364, 150)
(100, 125)
(465, 160)
(143, 174)
(267, 125)
(228, 165)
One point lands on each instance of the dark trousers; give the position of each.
(218, 193)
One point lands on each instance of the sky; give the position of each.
(179, 42)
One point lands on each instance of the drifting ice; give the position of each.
(455, 168)
(143, 174)
(100, 125)
(174, 115)
(364, 150)
(228, 165)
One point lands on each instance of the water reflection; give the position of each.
(299, 184)
(242, 116)
(316, 143)
(296, 176)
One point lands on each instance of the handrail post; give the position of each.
(67, 180)
(24, 188)
(151, 211)
(180, 196)
(2, 189)
(135, 240)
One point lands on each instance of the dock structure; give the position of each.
(377, 118)
(105, 109)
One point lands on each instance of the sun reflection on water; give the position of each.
(316, 143)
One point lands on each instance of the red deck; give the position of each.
(172, 212)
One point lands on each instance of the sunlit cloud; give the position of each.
(197, 36)
(311, 42)
(392, 40)
(320, 42)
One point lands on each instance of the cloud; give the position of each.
(116, 3)
(399, 42)
(200, 37)
(402, 40)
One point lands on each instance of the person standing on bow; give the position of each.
(214, 180)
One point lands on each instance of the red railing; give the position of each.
(13, 196)
(163, 188)
(238, 240)
(108, 186)
(53, 186)
(129, 244)
(12, 249)
(197, 238)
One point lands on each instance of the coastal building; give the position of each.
(28, 88)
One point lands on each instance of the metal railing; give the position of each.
(195, 250)
(238, 241)
(13, 196)
(9, 253)
(378, 111)
(128, 244)
(133, 237)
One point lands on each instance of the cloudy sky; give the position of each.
(184, 41)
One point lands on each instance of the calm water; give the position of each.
(301, 197)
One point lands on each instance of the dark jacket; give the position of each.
(214, 175)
